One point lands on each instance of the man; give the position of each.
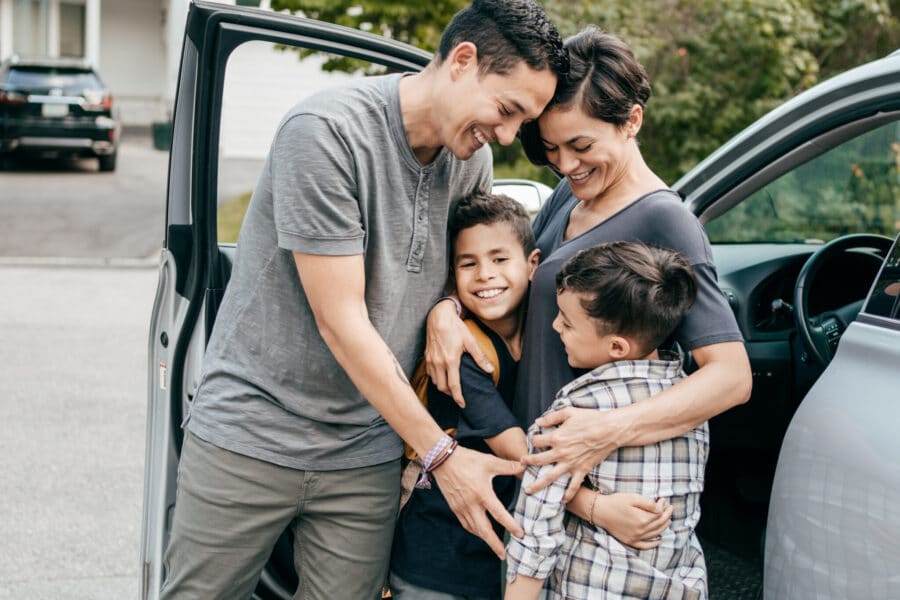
(341, 253)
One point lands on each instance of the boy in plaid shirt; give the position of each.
(618, 303)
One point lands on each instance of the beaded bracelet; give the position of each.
(593, 503)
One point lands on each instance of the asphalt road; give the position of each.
(72, 405)
(63, 208)
(78, 255)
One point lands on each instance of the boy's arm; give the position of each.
(335, 289)
(634, 520)
(541, 516)
(523, 588)
(486, 415)
(509, 444)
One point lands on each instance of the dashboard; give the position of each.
(759, 281)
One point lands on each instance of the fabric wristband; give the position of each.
(444, 442)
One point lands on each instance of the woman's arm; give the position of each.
(586, 437)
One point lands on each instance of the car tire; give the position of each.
(107, 162)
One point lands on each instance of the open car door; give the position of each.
(240, 72)
(834, 520)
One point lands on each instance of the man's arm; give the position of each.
(586, 437)
(335, 290)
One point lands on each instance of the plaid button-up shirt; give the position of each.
(583, 561)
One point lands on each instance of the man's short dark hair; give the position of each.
(605, 80)
(505, 33)
(634, 290)
(480, 208)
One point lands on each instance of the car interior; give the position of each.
(797, 244)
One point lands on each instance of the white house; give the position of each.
(136, 45)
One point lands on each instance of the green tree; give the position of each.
(715, 66)
(416, 23)
(718, 66)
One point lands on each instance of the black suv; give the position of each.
(57, 107)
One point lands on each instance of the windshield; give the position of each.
(852, 188)
(71, 81)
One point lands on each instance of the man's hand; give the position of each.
(446, 339)
(465, 481)
(582, 440)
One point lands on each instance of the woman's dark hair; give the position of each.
(632, 289)
(506, 32)
(605, 80)
(479, 208)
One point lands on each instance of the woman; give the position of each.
(588, 133)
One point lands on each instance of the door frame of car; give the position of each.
(193, 270)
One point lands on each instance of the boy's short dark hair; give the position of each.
(633, 289)
(604, 79)
(480, 208)
(505, 33)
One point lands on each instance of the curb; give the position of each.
(56, 262)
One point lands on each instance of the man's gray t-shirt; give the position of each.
(340, 179)
(658, 218)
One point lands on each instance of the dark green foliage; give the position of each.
(715, 66)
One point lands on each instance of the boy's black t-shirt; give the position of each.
(431, 549)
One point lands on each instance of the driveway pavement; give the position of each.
(78, 250)
(73, 387)
(67, 209)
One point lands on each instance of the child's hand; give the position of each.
(633, 519)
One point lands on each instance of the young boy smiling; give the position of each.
(493, 259)
(618, 303)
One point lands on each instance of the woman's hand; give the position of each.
(633, 519)
(584, 438)
(446, 339)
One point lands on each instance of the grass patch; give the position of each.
(229, 217)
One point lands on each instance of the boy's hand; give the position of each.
(446, 339)
(633, 519)
(465, 481)
(582, 441)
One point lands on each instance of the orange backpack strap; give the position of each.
(420, 379)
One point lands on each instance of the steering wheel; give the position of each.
(820, 333)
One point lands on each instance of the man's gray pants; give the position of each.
(230, 510)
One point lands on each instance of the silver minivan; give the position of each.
(803, 212)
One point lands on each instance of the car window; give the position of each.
(884, 301)
(262, 82)
(852, 188)
(67, 80)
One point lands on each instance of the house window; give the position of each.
(71, 29)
